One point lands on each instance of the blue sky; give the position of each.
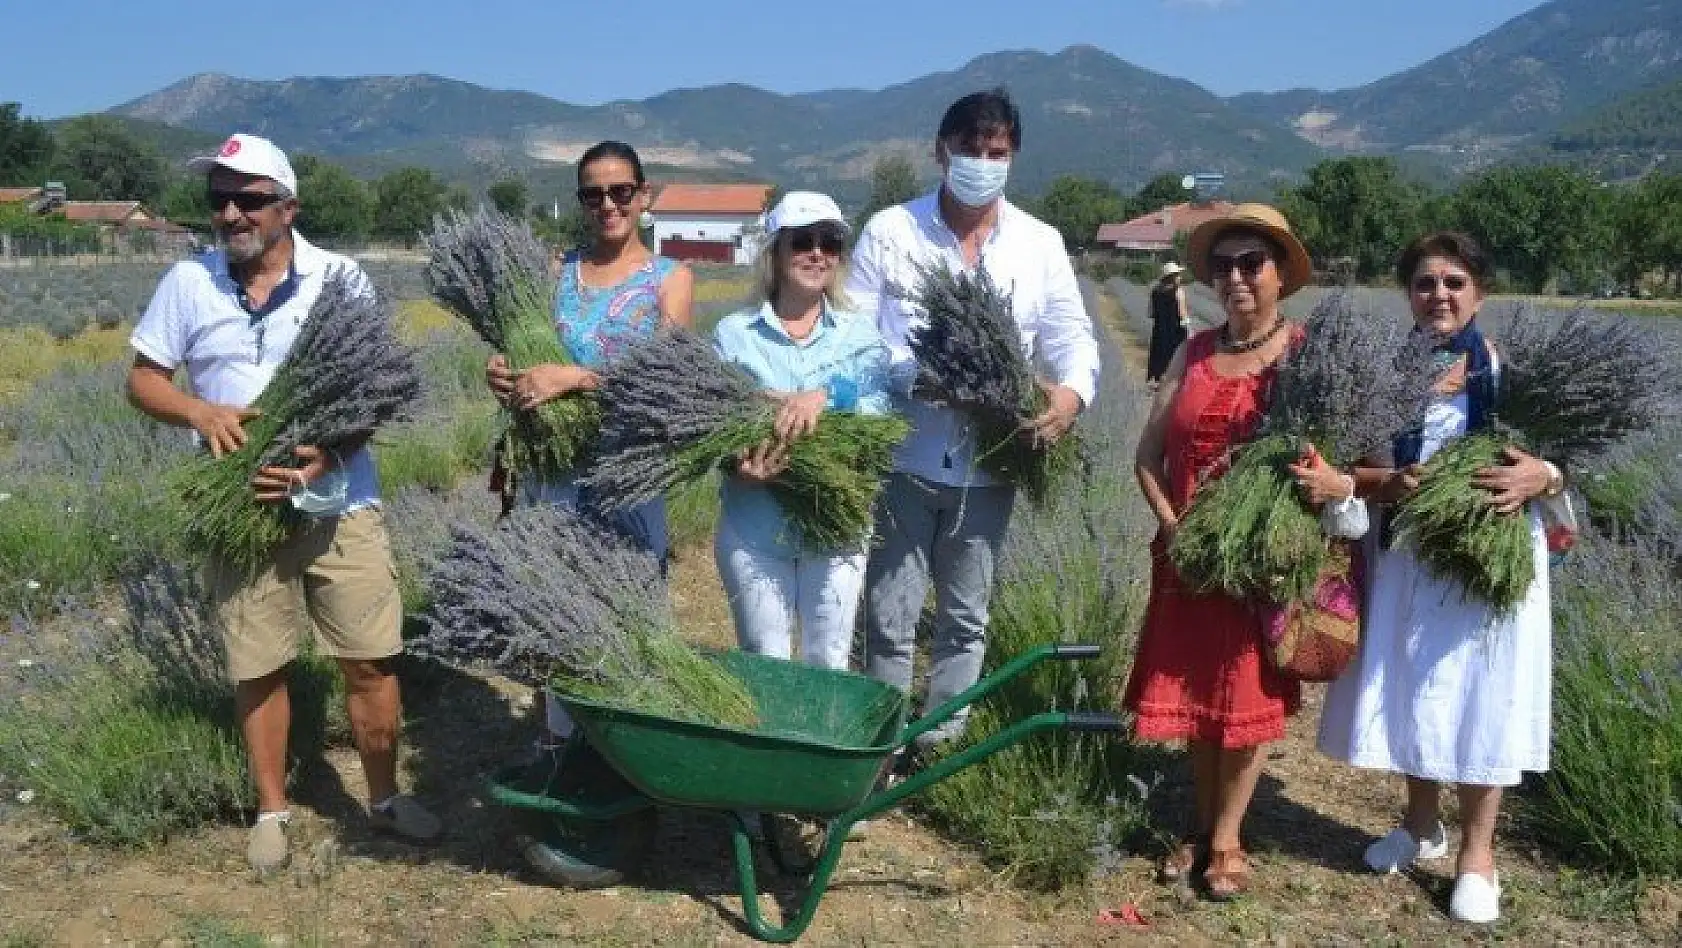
(72, 56)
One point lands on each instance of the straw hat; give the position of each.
(1295, 270)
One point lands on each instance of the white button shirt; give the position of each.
(195, 320)
(1026, 258)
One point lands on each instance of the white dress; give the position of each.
(1442, 689)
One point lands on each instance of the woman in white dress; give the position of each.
(1444, 690)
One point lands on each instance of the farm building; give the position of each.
(710, 223)
(1153, 234)
(123, 225)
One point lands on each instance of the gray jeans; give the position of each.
(950, 535)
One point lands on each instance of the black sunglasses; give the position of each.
(1452, 282)
(246, 201)
(594, 197)
(1249, 263)
(828, 239)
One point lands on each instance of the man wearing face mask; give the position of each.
(941, 519)
(228, 318)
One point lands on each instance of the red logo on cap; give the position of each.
(230, 148)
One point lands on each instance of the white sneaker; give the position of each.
(1399, 850)
(1476, 899)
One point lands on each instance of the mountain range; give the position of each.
(1516, 91)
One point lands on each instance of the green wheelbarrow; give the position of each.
(824, 739)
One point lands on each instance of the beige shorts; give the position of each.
(336, 575)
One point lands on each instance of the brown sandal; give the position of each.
(1186, 860)
(1228, 875)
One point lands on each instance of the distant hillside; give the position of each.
(171, 141)
(1084, 112)
(1495, 94)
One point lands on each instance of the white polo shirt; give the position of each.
(1026, 258)
(195, 320)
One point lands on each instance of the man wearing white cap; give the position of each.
(229, 317)
(941, 519)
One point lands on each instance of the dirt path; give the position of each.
(905, 885)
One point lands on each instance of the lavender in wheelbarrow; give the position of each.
(551, 598)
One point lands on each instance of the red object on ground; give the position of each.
(1128, 916)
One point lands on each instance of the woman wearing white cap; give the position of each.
(812, 352)
(1169, 320)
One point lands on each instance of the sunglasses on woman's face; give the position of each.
(594, 197)
(246, 201)
(827, 239)
(1452, 282)
(1249, 263)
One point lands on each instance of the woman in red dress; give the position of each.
(1199, 674)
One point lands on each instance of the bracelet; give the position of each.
(1556, 480)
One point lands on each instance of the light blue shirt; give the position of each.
(844, 355)
(195, 321)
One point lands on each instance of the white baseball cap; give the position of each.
(803, 208)
(1170, 269)
(248, 154)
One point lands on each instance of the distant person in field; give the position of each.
(806, 345)
(1170, 318)
(1445, 690)
(941, 520)
(1199, 674)
(229, 317)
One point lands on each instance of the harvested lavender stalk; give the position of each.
(1353, 382)
(553, 599)
(674, 410)
(345, 376)
(493, 273)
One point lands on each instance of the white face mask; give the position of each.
(323, 496)
(976, 182)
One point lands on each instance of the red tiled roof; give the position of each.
(13, 195)
(1157, 230)
(712, 199)
(102, 212)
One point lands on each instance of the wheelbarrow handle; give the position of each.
(1093, 721)
(992, 683)
(1074, 652)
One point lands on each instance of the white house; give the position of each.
(710, 223)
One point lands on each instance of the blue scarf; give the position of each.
(1480, 391)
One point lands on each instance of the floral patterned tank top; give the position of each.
(597, 324)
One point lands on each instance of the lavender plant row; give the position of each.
(551, 599)
(674, 411)
(493, 273)
(347, 375)
(969, 355)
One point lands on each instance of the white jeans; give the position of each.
(769, 593)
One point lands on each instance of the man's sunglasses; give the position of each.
(1249, 263)
(1452, 282)
(595, 197)
(246, 201)
(828, 239)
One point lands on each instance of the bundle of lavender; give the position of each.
(549, 598)
(1355, 381)
(346, 375)
(493, 273)
(969, 356)
(674, 410)
(1570, 388)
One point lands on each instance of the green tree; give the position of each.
(26, 147)
(1646, 231)
(332, 205)
(1537, 222)
(404, 204)
(1158, 193)
(186, 201)
(509, 196)
(1354, 209)
(98, 159)
(893, 180)
(1077, 207)
(566, 231)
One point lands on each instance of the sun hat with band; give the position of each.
(802, 209)
(248, 154)
(1294, 271)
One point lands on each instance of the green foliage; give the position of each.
(1077, 207)
(405, 201)
(1460, 535)
(1537, 222)
(436, 453)
(893, 180)
(26, 147)
(1646, 230)
(569, 230)
(186, 201)
(1647, 121)
(50, 232)
(1356, 209)
(332, 205)
(1159, 192)
(510, 197)
(99, 159)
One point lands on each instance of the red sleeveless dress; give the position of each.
(1199, 673)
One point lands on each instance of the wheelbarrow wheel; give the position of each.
(584, 855)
